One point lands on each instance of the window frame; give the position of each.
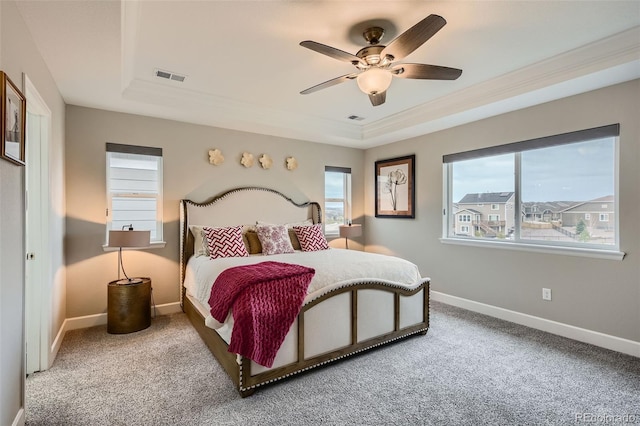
(578, 249)
(346, 201)
(158, 241)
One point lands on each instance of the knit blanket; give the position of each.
(265, 299)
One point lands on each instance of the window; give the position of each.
(495, 207)
(465, 218)
(464, 229)
(134, 188)
(561, 175)
(337, 198)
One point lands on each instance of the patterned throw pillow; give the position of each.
(311, 237)
(274, 239)
(225, 242)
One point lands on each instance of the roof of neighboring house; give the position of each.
(553, 206)
(468, 210)
(486, 197)
(605, 199)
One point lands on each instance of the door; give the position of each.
(37, 258)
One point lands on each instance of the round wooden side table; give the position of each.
(128, 305)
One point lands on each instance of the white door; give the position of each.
(33, 230)
(37, 259)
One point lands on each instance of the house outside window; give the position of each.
(540, 186)
(134, 189)
(337, 199)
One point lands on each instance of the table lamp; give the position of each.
(128, 238)
(350, 231)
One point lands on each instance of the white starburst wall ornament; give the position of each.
(215, 157)
(265, 161)
(292, 163)
(247, 159)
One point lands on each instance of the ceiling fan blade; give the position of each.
(428, 72)
(329, 83)
(378, 98)
(332, 52)
(414, 37)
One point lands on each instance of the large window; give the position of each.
(337, 198)
(554, 191)
(134, 189)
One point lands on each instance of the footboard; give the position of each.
(345, 321)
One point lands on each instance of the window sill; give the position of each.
(153, 245)
(539, 248)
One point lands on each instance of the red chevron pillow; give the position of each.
(225, 242)
(311, 237)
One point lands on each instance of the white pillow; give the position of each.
(291, 224)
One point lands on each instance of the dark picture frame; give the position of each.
(395, 187)
(13, 112)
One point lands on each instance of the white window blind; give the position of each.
(134, 189)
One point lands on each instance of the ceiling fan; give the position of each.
(376, 63)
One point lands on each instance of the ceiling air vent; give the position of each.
(355, 117)
(170, 75)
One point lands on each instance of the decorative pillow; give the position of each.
(225, 242)
(200, 247)
(294, 239)
(311, 237)
(254, 242)
(274, 239)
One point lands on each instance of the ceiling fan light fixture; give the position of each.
(374, 81)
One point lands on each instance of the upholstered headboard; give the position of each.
(240, 206)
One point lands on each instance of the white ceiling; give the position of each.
(245, 68)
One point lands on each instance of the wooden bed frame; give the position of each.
(382, 311)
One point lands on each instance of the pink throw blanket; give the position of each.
(265, 299)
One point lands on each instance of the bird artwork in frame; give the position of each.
(395, 187)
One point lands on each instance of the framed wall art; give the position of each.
(395, 187)
(14, 110)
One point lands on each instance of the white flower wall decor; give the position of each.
(215, 157)
(265, 161)
(247, 159)
(292, 163)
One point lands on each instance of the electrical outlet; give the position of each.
(546, 294)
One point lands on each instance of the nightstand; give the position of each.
(129, 306)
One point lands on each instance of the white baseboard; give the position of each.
(19, 420)
(99, 319)
(606, 341)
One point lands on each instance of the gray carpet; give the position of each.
(469, 369)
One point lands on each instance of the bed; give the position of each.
(356, 301)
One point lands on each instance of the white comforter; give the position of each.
(334, 267)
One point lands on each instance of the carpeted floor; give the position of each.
(469, 369)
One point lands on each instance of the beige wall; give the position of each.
(19, 55)
(187, 174)
(595, 294)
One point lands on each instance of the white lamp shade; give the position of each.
(374, 80)
(350, 231)
(129, 239)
